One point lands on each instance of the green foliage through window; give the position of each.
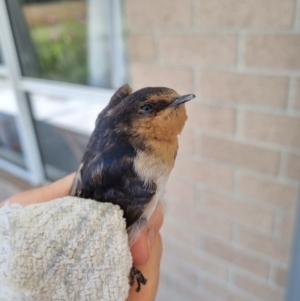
(61, 48)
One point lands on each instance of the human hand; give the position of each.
(146, 251)
(146, 254)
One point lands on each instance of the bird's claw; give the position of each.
(140, 279)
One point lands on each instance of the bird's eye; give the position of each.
(146, 108)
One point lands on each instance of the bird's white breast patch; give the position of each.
(151, 168)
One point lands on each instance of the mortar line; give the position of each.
(263, 71)
(217, 31)
(297, 16)
(291, 94)
(240, 51)
(195, 6)
(281, 167)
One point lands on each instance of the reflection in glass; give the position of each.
(63, 40)
(63, 128)
(10, 146)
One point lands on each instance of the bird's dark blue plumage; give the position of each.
(132, 150)
(131, 153)
(107, 172)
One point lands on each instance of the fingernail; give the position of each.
(151, 236)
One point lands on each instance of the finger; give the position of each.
(50, 192)
(151, 271)
(140, 250)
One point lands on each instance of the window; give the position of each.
(10, 145)
(71, 41)
(67, 57)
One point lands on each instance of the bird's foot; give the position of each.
(140, 279)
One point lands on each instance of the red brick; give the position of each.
(258, 289)
(281, 130)
(269, 192)
(141, 47)
(238, 211)
(200, 49)
(212, 118)
(240, 154)
(192, 293)
(273, 51)
(292, 168)
(223, 292)
(264, 245)
(246, 14)
(180, 190)
(198, 261)
(158, 13)
(176, 78)
(167, 292)
(187, 140)
(240, 88)
(180, 232)
(281, 277)
(205, 173)
(164, 278)
(286, 229)
(237, 257)
(203, 221)
(175, 268)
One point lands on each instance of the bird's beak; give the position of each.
(181, 100)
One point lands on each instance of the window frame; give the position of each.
(23, 85)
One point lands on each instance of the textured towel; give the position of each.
(65, 249)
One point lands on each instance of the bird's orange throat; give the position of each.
(164, 126)
(160, 133)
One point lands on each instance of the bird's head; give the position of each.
(154, 112)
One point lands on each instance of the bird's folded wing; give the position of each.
(65, 249)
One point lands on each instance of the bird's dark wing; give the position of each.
(107, 175)
(119, 95)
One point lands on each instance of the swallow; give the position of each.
(131, 153)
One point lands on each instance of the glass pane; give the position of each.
(63, 128)
(63, 40)
(10, 146)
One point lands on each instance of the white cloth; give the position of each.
(65, 249)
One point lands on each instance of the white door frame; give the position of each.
(21, 85)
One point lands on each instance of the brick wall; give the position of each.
(231, 198)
